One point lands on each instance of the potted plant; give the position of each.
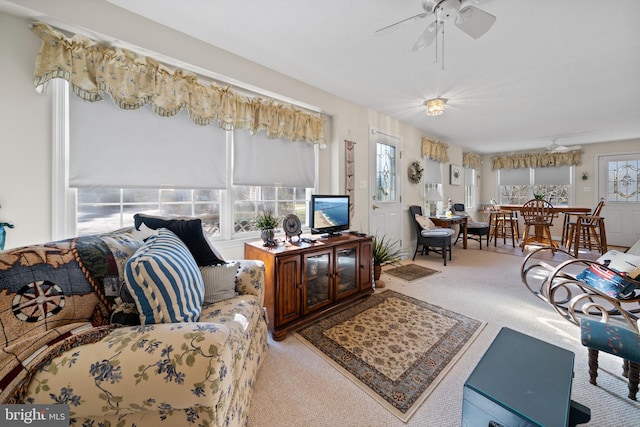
(385, 252)
(266, 222)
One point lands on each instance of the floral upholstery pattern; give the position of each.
(174, 374)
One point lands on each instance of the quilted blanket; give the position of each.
(54, 297)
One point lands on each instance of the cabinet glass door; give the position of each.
(317, 288)
(346, 258)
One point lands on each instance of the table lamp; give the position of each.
(433, 197)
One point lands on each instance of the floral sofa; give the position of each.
(72, 332)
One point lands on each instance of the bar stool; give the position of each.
(587, 232)
(568, 223)
(504, 224)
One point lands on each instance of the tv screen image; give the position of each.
(329, 214)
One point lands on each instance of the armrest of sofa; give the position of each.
(159, 367)
(250, 278)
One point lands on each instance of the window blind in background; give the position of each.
(515, 176)
(469, 176)
(432, 172)
(560, 175)
(258, 160)
(111, 147)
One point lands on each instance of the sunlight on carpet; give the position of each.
(395, 347)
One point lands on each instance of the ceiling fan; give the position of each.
(468, 18)
(554, 147)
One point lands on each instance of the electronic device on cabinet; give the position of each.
(329, 214)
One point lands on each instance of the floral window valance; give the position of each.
(471, 160)
(537, 160)
(133, 80)
(434, 150)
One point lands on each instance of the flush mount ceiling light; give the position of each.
(435, 106)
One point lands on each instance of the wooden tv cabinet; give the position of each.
(307, 280)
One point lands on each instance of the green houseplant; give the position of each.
(267, 222)
(385, 251)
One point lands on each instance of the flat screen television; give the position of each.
(329, 214)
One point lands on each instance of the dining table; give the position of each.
(564, 209)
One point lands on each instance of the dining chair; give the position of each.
(476, 230)
(537, 215)
(433, 239)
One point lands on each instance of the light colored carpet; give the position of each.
(296, 387)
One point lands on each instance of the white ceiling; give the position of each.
(547, 69)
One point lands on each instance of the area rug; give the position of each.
(395, 347)
(410, 272)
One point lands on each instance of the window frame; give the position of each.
(531, 188)
(65, 199)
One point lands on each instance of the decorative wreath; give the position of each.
(415, 172)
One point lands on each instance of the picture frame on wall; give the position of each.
(455, 175)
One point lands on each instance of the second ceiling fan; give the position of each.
(468, 18)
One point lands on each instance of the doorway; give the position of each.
(385, 215)
(618, 187)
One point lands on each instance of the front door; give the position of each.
(386, 210)
(618, 187)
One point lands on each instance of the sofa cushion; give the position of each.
(189, 231)
(219, 281)
(437, 232)
(165, 281)
(603, 277)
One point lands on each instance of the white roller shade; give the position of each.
(560, 175)
(469, 176)
(111, 147)
(258, 160)
(515, 176)
(432, 172)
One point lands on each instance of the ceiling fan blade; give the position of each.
(426, 38)
(464, 3)
(400, 24)
(474, 22)
(567, 148)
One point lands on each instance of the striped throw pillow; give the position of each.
(164, 280)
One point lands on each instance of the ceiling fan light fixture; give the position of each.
(435, 106)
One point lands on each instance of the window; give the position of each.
(100, 210)
(385, 172)
(250, 200)
(623, 177)
(517, 186)
(138, 181)
(433, 182)
(469, 188)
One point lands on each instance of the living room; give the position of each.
(27, 198)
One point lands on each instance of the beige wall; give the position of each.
(25, 135)
(25, 193)
(25, 117)
(586, 192)
(489, 181)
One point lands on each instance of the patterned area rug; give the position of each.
(410, 272)
(395, 347)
